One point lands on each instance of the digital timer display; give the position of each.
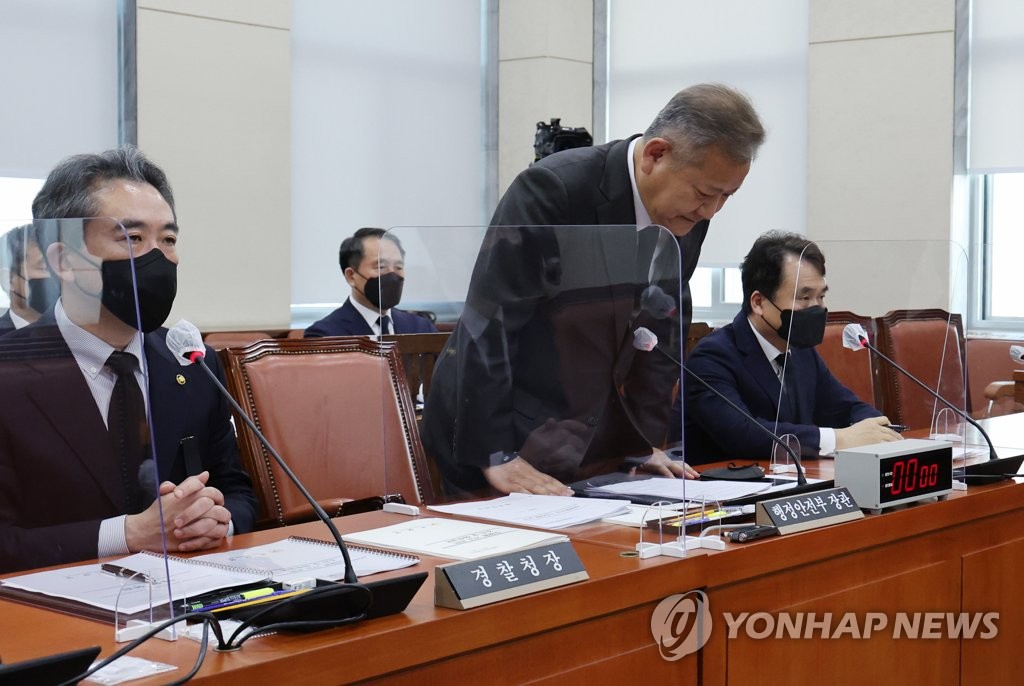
(910, 476)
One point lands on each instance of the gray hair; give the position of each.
(68, 191)
(706, 115)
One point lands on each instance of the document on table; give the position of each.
(91, 585)
(306, 558)
(542, 511)
(638, 515)
(695, 491)
(452, 538)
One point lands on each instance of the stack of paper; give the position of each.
(453, 539)
(685, 489)
(541, 511)
(91, 585)
(304, 558)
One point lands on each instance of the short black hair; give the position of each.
(761, 269)
(351, 252)
(68, 192)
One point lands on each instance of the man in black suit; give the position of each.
(29, 286)
(77, 478)
(770, 341)
(373, 263)
(498, 380)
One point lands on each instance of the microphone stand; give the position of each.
(801, 480)
(350, 575)
(991, 449)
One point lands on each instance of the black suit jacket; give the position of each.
(732, 360)
(546, 338)
(347, 321)
(6, 323)
(583, 187)
(58, 476)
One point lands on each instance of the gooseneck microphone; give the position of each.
(801, 480)
(856, 338)
(645, 340)
(186, 344)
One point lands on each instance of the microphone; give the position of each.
(639, 336)
(856, 338)
(186, 343)
(1017, 353)
(801, 480)
(326, 605)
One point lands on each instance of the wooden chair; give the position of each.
(695, 332)
(989, 374)
(338, 410)
(419, 355)
(219, 340)
(925, 343)
(855, 369)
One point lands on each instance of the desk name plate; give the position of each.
(464, 585)
(805, 511)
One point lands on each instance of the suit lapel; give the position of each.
(754, 361)
(67, 405)
(353, 320)
(616, 187)
(169, 402)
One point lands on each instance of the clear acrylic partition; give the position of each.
(916, 295)
(62, 471)
(564, 347)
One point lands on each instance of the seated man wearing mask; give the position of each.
(25, 280)
(76, 476)
(373, 263)
(782, 319)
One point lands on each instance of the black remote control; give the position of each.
(752, 533)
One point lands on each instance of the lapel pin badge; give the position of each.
(181, 379)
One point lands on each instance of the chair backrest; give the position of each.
(339, 412)
(218, 340)
(930, 345)
(419, 355)
(695, 332)
(988, 360)
(855, 369)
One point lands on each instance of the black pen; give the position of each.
(124, 572)
(898, 428)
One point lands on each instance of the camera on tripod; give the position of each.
(554, 137)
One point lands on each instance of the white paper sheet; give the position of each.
(541, 511)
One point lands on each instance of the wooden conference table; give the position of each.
(963, 554)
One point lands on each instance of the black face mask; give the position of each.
(802, 328)
(42, 294)
(157, 279)
(384, 291)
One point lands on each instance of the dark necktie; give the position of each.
(789, 389)
(385, 324)
(126, 425)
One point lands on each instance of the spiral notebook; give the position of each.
(298, 558)
(87, 590)
(90, 585)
